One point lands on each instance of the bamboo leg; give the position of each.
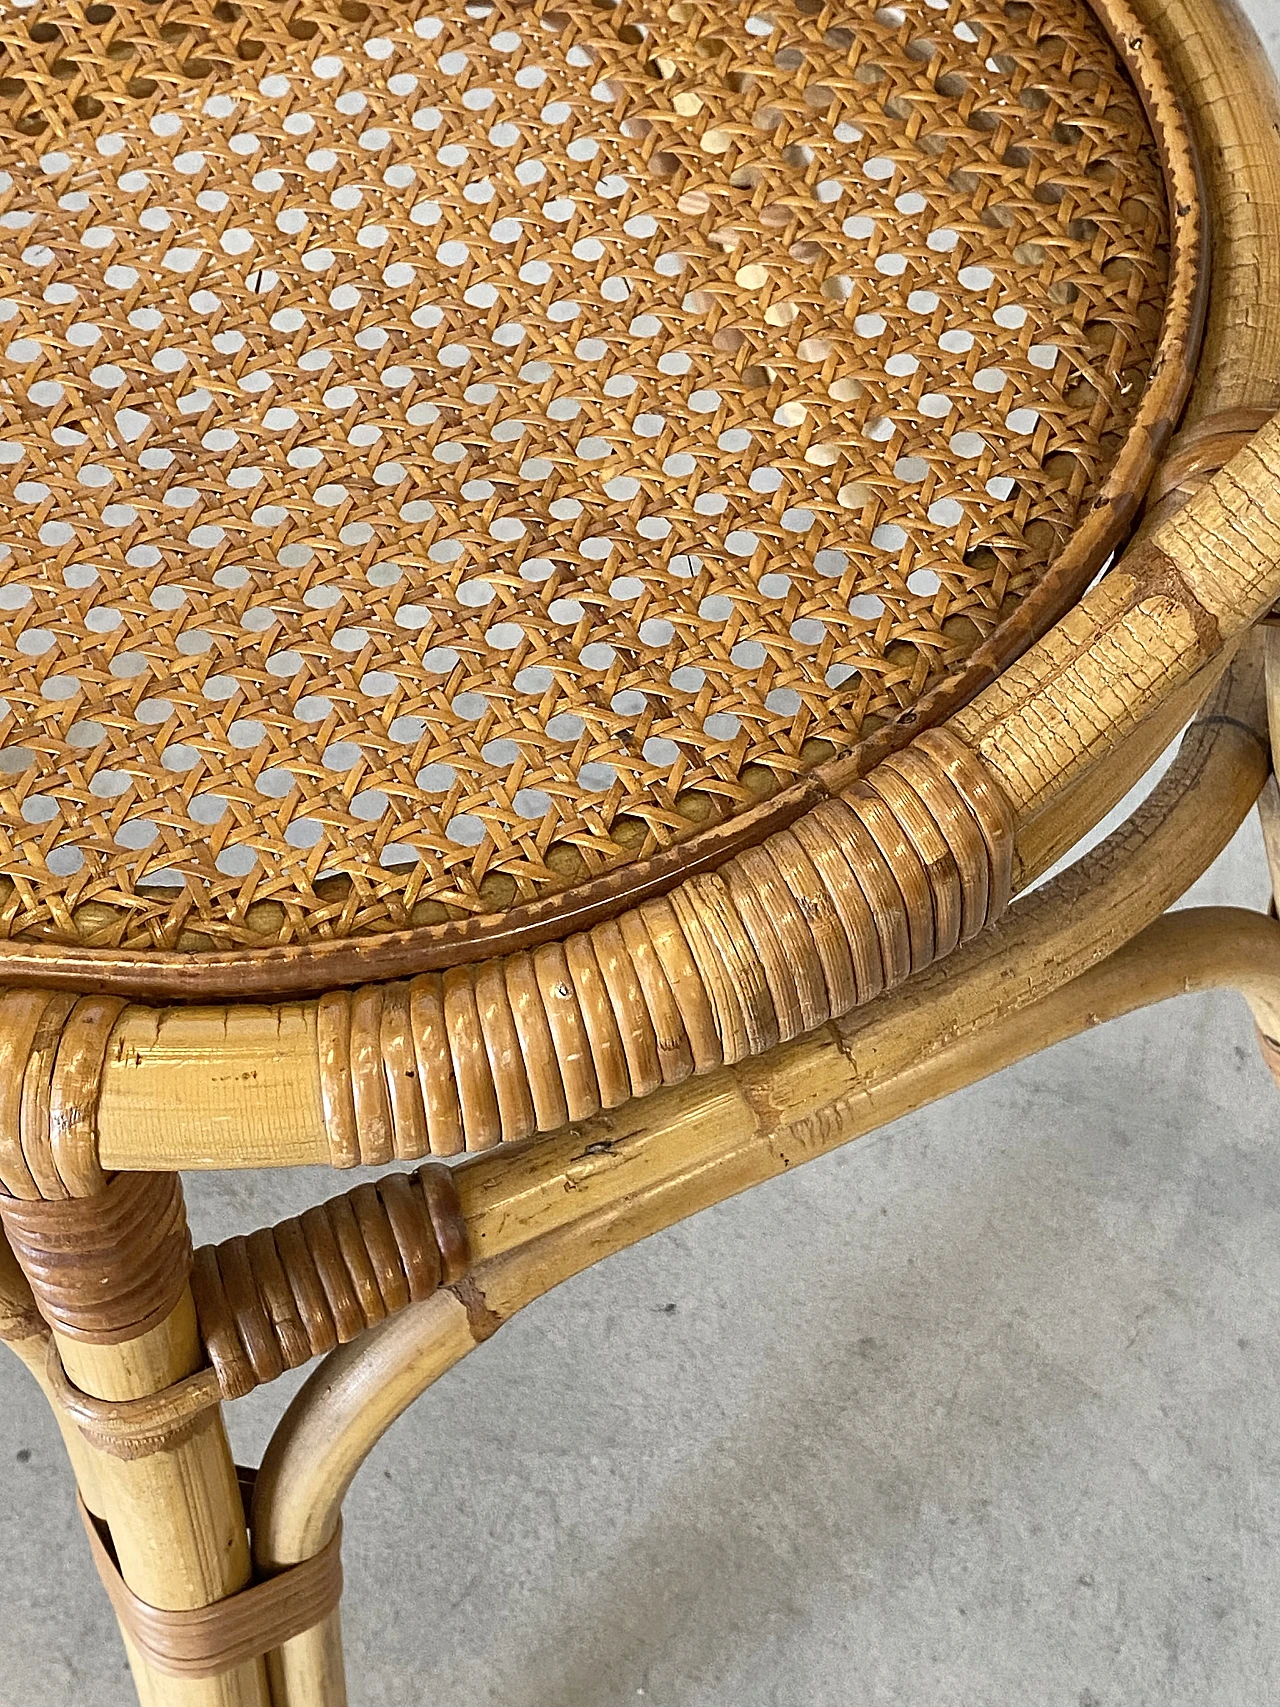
(175, 1516)
(310, 1464)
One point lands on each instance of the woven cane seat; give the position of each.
(456, 460)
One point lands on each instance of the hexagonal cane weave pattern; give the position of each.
(451, 451)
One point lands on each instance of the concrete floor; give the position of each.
(983, 1410)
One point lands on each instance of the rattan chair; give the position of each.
(550, 598)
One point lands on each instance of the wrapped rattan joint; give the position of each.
(288, 1293)
(858, 894)
(210, 1640)
(104, 1269)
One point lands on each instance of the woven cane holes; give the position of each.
(446, 454)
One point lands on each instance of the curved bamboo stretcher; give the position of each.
(803, 1048)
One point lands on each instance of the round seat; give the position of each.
(464, 466)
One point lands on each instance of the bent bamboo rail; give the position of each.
(538, 1215)
(285, 1294)
(633, 1190)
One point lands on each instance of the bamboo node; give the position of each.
(134, 1428)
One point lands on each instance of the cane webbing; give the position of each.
(451, 452)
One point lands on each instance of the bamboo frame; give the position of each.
(1062, 734)
(176, 1518)
(358, 1392)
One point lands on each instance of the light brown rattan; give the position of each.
(865, 889)
(645, 343)
(108, 1268)
(211, 1640)
(290, 1292)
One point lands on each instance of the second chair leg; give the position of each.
(176, 1518)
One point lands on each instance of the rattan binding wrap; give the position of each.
(1202, 450)
(214, 1639)
(854, 897)
(107, 1268)
(53, 1046)
(288, 1293)
(843, 350)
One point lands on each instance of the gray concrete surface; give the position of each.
(980, 1412)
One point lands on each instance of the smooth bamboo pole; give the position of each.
(317, 1449)
(175, 1517)
(360, 1389)
(213, 1087)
